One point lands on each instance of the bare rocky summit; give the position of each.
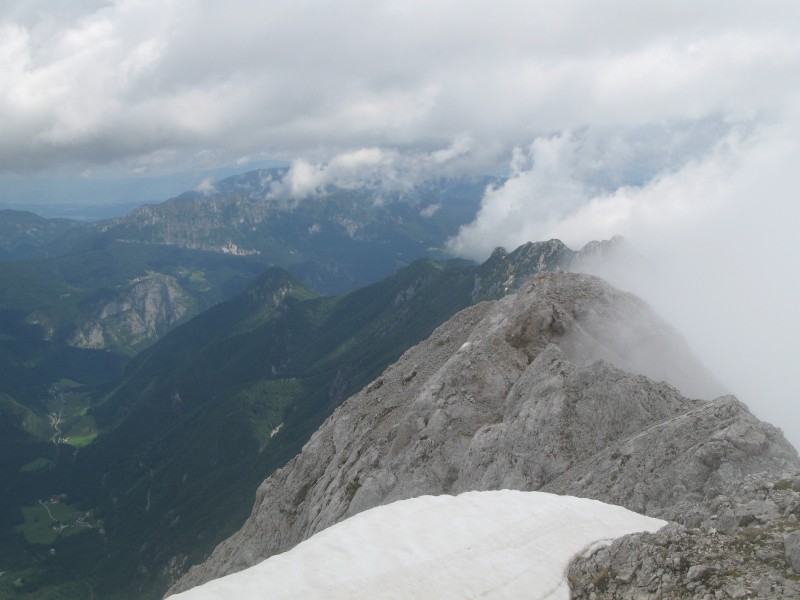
(568, 386)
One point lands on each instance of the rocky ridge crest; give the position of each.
(547, 389)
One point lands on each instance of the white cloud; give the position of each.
(718, 231)
(206, 186)
(390, 170)
(561, 179)
(100, 82)
(721, 235)
(539, 191)
(430, 210)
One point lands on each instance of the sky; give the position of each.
(500, 545)
(673, 123)
(101, 90)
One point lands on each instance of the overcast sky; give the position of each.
(674, 123)
(142, 86)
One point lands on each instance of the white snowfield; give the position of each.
(487, 545)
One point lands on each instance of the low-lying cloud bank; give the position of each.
(718, 233)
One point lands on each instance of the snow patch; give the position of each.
(492, 545)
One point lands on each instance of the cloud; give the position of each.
(430, 210)
(388, 170)
(123, 81)
(718, 231)
(206, 186)
(563, 177)
(721, 234)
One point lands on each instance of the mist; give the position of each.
(718, 240)
(383, 170)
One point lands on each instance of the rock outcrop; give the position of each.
(740, 544)
(562, 387)
(137, 316)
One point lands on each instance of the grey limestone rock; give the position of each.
(749, 560)
(136, 317)
(791, 545)
(569, 386)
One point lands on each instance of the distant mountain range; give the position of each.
(78, 300)
(334, 240)
(27, 235)
(120, 284)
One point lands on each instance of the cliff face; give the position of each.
(136, 317)
(557, 388)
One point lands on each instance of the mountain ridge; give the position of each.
(203, 415)
(490, 401)
(335, 239)
(119, 284)
(24, 234)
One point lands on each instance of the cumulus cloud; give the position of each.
(717, 230)
(720, 237)
(558, 177)
(391, 171)
(140, 82)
